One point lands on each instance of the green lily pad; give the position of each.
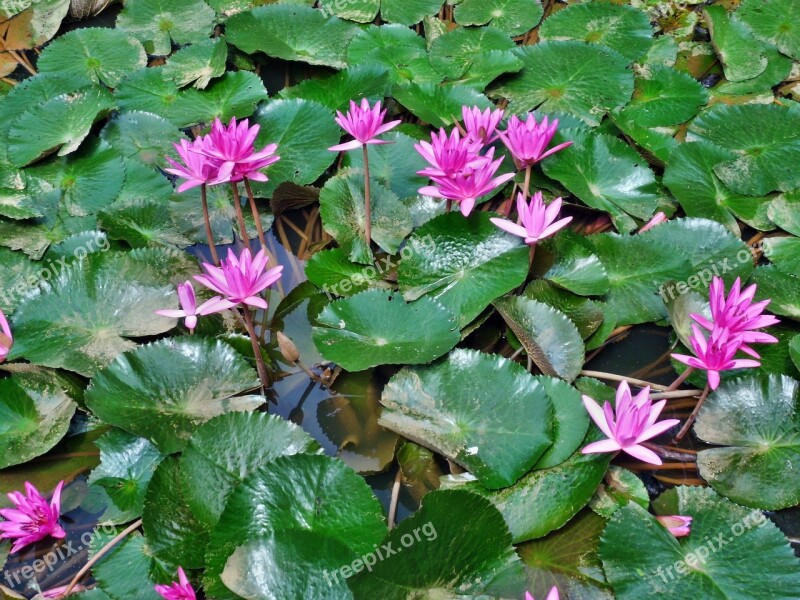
(778, 68)
(127, 464)
(498, 427)
(784, 253)
(288, 525)
(550, 339)
(336, 91)
(398, 49)
(197, 64)
(574, 265)
(303, 130)
(336, 275)
(620, 27)
(619, 487)
(464, 263)
(766, 140)
(585, 80)
(654, 143)
(442, 558)
(281, 30)
(142, 136)
(774, 21)
(751, 559)
(125, 571)
(158, 23)
(741, 54)
(514, 17)
(757, 420)
(794, 351)
(234, 94)
(21, 275)
(35, 411)
(148, 90)
(371, 328)
(606, 174)
(211, 470)
(60, 123)
(404, 12)
(438, 105)
(570, 423)
(84, 315)
(94, 54)
(586, 314)
(343, 216)
(664, 96)
(171, 387)
(142, 223)
(784, 211)
(780, 287)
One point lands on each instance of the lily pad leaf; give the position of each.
(198, 63)
(94, 54)
(785, 211)
(35, 411)
(775, 22)
(438, 105)
(211, 470)
(234, 94)
(142, 136)
(281, 30)
(497, 427)
(574, 266)
(784, 253)
(639, 554)
(158, 23)
(171, 387)
(125, 571)
(742, 55)
(757, 420)
(335, 92)
(664, 96)
(142, 223)
(766, 140)
(620, 27)
(780, 287)
(396, 48)
(464, 263)
(289, 524)
(620, 487)
(585, 80)
(585, 313)
(514, 17)
(570, 424)
(336, 275)
(372, 328)
(447, 559)
(548, 336)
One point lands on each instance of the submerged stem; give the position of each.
(251, 330)
(207, 223)
(367, 207)
(683, 377)
(615, 377)
(254, 209)
(688, 425)
(237, 205)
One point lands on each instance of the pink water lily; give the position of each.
(233, 146)
(657, 219)
(197, 168)
(528, 140)
(177, 590)
(469, 185)
(715, 354)
(190, 311)
(481, 126)
(449, 155)
(33, 518)
(6, 337)
(241, 279)
(538, 220)
(553, 595)
(631, 423)
(738, 314)
(678, 525)
(364, 123)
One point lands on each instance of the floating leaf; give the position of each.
(393, 165)
(336, 275)
(497, 426)
(336, 91)
(514, 17)
(142, 136)
(158, 23)
(742, 55)
(784, 253)
(464, 263)
(198, 63)
(396, 48)
(171, 387)
(774, 21)
(574, 266)
(371, 328)
(438, 105)
(778, 68)
(784, 211)
(95, 55)
(570, 422)
(235, 94)
(780, 287)
(585, 80)
(619, 487)
(664, 96)
(584, 313)
(622, 28)
(642, 559)
(125, 571)
(142, 223)
(20, 276)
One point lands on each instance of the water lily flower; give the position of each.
(189, 309)
(538, 220)
(6, 337)
(233, 147)
(364, 123)
(738, 314)
(481, 126)
(469, 185)
(715, 354)
(177, 590)
(33, 519)
(197, 168)
(553, 595)
(657, 219)
(449, 156)
(241, 279)
(633, 422)
(528, 140)
(678, 525)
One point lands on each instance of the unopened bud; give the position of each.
(287, 348)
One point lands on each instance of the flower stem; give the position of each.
(102, 552)
(237, 204)
(254, 210)
(526, 187)
(688, 425)
(449, 205)
(683, 377)
(251, 330)
(615, 377)
(367, 207)
(398, 478)
(207, 222)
